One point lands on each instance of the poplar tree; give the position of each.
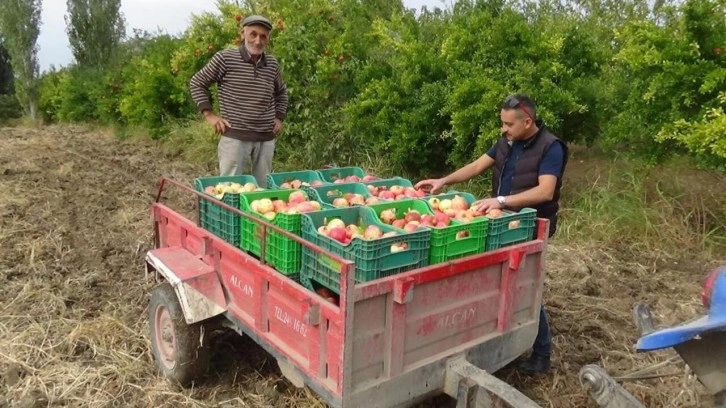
(20, 25)
(95, 28)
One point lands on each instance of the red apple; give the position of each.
(494, 213)
(399, 223)
(459, 203)
(386, 195)
(388, 216)
(372, 232)
(336, 223)
(341, 202)
(442, 218)
(297, 197)
(337, 234)
(396, 190)
(372, 200)
(412, 215)
(279, 206)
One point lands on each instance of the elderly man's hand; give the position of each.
(278, 127)
(219, 123)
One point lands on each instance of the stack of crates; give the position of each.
(374, 258)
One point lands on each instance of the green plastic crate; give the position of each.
(217, 220)
(373, 258)
(332, 174)
(502, 233)
(281, 252)
(393, 181)
(445, 245)
(326, 194)
(275, 180)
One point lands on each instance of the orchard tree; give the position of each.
(95, 29)
(20, 25)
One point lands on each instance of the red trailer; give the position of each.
(391, 342)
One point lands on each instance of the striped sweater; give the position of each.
(250, 95)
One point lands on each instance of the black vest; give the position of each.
(526, 170)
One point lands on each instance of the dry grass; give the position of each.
(73, 332)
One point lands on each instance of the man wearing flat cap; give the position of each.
(252, 101)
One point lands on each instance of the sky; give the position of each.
(170, 16)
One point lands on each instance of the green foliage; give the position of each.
(149, 93)
(9, 108)
(20, 25)
(672, 74)
(95, 28)
(419, 93)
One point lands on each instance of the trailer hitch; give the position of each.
(475, 388)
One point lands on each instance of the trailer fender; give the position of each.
(195, 283)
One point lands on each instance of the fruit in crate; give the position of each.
(493, 213)
(340, 202)
(347, 200)
(295, 184)
(296, 203)
(226, 187)
(409, 222)
(327, 295)
(398, 247)
(355, 199)
(337, 229)
(354, 179)
(396, 192)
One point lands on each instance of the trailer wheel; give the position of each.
(180, 350)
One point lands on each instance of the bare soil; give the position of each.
(74, 228)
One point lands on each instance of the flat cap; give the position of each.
(257, 20)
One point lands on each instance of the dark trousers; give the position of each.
(543, 342)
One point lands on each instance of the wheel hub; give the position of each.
(165, 337)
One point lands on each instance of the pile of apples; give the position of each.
(351, 199)
(296, 184)
(220, 189)
(458, 208)
(337, 229)
(395, 192)
(297, 203)
(355, 179)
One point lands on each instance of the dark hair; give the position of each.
(522, 103)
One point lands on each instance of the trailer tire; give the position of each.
(181, 351)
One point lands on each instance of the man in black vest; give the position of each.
(528, 164)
